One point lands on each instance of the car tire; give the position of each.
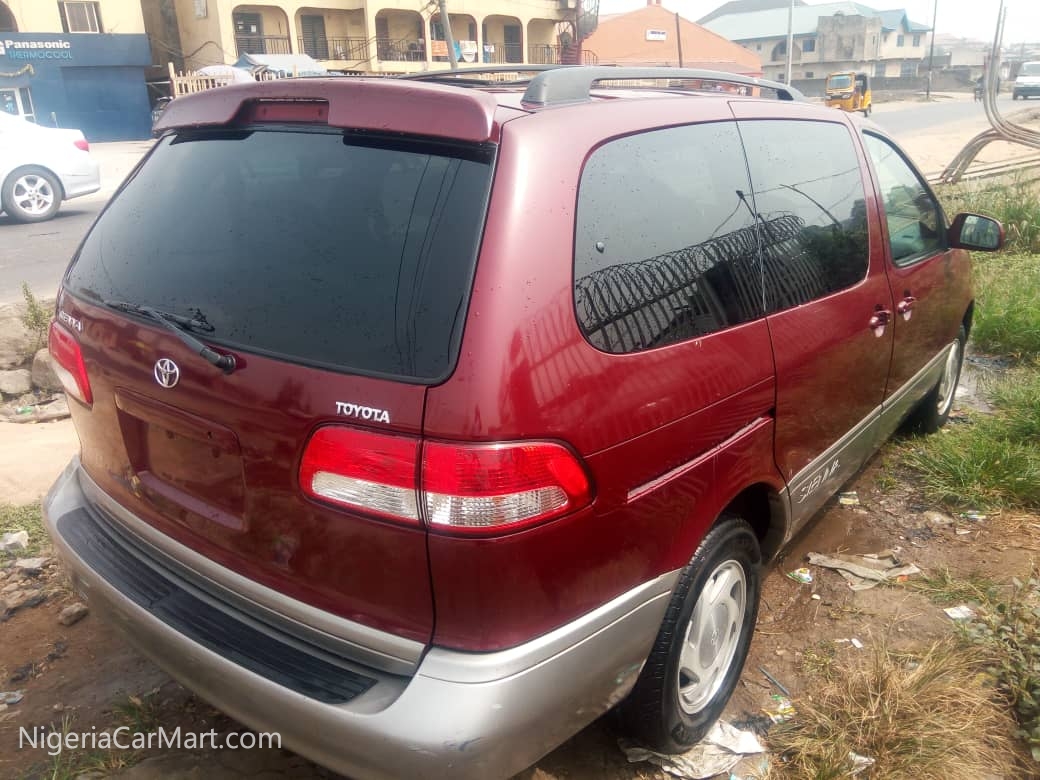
(934, 409)
(671, 708)
(31, 195)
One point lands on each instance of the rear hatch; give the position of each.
(334, 266)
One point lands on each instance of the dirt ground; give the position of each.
(86, 675)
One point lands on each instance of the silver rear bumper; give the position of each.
(479, 715)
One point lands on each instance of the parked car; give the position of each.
(157, 111)
(42, 166)
(455, 415)
(1028, 82)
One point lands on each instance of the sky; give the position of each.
(964, 18)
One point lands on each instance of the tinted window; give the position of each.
(666, 246)
(914, 220)
(319, 247)
(810, 200)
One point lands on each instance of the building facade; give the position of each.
(76, 64)
(654, 36)
(370, 36)
(828, 38)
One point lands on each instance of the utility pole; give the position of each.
(931, 54)
(449, 38)
(678, 38)
(790, 40)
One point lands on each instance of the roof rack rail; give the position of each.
(463, 74)
(573, 84)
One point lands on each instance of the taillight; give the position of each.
(361, 470)
(472, 489)
(491, 487)
(68, 363)
(82, 144)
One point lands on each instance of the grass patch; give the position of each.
(993, 461)
(139, 713)
(818, 660)
(1007, 311)
(1009, 629)
(1015, 203)
(944, 588)
(28, 518)
(924, 716)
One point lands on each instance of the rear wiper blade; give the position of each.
(197, 322)
(179, 326)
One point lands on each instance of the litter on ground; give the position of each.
(866, 571)
(720, 751)
(802, 575)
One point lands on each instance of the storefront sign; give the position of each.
(657, 35)
(36, 50)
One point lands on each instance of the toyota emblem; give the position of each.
(166, 372)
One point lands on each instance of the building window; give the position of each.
(900, 40)
(879, 70)
(917, 41)
(908, 70)
(79, 17)
(809, 74)
(7, 22)
(809, 44)
(758, 47)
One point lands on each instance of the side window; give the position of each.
(666, 247)
(811, 203)
(915, 221)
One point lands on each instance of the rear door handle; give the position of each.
(905, 306)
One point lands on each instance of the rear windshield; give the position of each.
(1030, 69)
(326, 248)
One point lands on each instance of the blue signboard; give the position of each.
(93, 82)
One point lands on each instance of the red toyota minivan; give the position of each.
(424, 421)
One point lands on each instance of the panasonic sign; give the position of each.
(36, 50)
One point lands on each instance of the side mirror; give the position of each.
(974, 231)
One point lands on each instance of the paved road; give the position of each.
(903, 119)
(38, 253)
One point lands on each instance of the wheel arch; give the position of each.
(765, 509)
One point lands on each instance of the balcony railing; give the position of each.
(503, 53)
(398, 50)
(262, 44)
(349, 49)
(550, 54)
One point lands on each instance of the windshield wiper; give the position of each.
(179, 326)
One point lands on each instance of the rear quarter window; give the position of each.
(666, 241)
(327, 248)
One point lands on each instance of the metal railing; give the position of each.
(322, 48)
(551, 54)
(496, 53)
(400, 50)
(262, 44)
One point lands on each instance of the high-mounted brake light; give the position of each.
(68, 363)
(471, 489)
